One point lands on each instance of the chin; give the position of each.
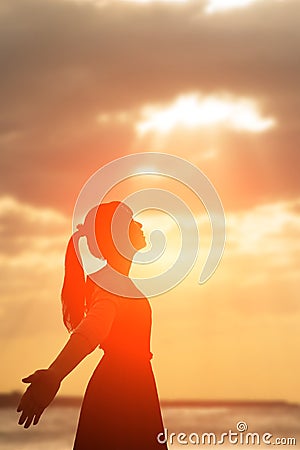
(139, 244)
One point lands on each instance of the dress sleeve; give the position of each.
(96, 325)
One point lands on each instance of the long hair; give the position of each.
(97, 230)
(73, 290)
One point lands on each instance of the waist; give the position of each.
(128, 355)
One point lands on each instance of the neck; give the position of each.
(121, 265)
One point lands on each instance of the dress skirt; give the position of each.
(120, 409)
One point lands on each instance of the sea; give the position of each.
(225, 426)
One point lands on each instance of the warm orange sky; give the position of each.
(85, 82)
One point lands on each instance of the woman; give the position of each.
(120, 410)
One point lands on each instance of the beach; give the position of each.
(186, 424)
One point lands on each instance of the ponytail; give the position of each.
(97, 223)
(73, 291)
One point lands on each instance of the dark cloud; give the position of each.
(62, 63)
(30, 231)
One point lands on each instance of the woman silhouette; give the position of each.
(120, 409)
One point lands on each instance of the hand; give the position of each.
(42, 390)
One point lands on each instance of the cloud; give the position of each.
(214, 6)
(66, 63)
(262, 248)
(155, 1)
(194, 111)
(25, 228)
(32, 242)
(259, 271)
(268, 230)
(191, 111)
(67, 67)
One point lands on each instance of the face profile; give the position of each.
(113, 234)
(136, 235)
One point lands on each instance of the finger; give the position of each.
(34, 376)
(38, 416)
(29, 420)
(28, 415)
(22, 418)
(29, 379)
(19, 408)
(27, 411)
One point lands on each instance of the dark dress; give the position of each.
(120, 409)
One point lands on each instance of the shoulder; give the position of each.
(99, 298)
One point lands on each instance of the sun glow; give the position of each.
(224, 5)
(191, 111)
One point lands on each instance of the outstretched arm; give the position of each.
(75, 350)
(45, 383)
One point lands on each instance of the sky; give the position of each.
(215, 82)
